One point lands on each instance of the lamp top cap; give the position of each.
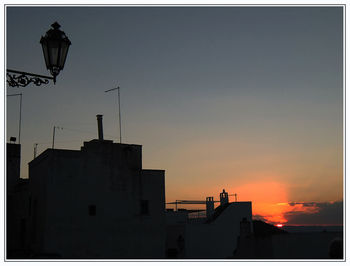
(56, 33)
(55, 25)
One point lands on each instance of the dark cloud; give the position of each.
(325, 213)
(305, 204)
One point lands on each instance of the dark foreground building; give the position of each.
(96, 202)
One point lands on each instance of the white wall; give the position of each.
(217, 239)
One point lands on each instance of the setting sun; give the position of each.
(268, 200)
(271, 202)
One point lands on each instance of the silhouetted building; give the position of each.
(13, 165)
(213, 236)
(96, 202)
(16, 203)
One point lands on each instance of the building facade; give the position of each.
(212, 237)
(16, 203)
(96, 203)
(92, 203)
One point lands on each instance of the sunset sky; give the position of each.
(246, 99)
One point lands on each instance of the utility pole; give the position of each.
(120, 123)
(20, 119)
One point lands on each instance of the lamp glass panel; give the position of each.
(63, 54)
(54, 56)
(53, 47)
(46, 54)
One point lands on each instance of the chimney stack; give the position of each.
(223, 197)
(210, 206)
(100, 127)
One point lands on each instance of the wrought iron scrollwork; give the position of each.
(22, 79)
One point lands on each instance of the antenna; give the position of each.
(120, 123)
(53, 137)
(235, 196)
(35, 149)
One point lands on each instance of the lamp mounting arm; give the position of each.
(22, 79)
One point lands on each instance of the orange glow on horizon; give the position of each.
(279, 225)
(267, 199)
(270, 201)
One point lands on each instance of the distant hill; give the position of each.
(313, 228)
(262, 229)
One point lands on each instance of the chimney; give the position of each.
(210, 206)
(223, 197)
(100, 127)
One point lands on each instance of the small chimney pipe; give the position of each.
(100, 127)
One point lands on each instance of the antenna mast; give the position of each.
(53, 135)
(35, 149)
(119, 113)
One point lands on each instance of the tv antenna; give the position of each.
(120, 123)
(53, 135)
(234, 195)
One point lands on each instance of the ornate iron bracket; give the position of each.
(22, 79)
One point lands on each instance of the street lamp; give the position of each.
(55, 45)
(55, 48)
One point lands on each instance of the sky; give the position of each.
(246, 99)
